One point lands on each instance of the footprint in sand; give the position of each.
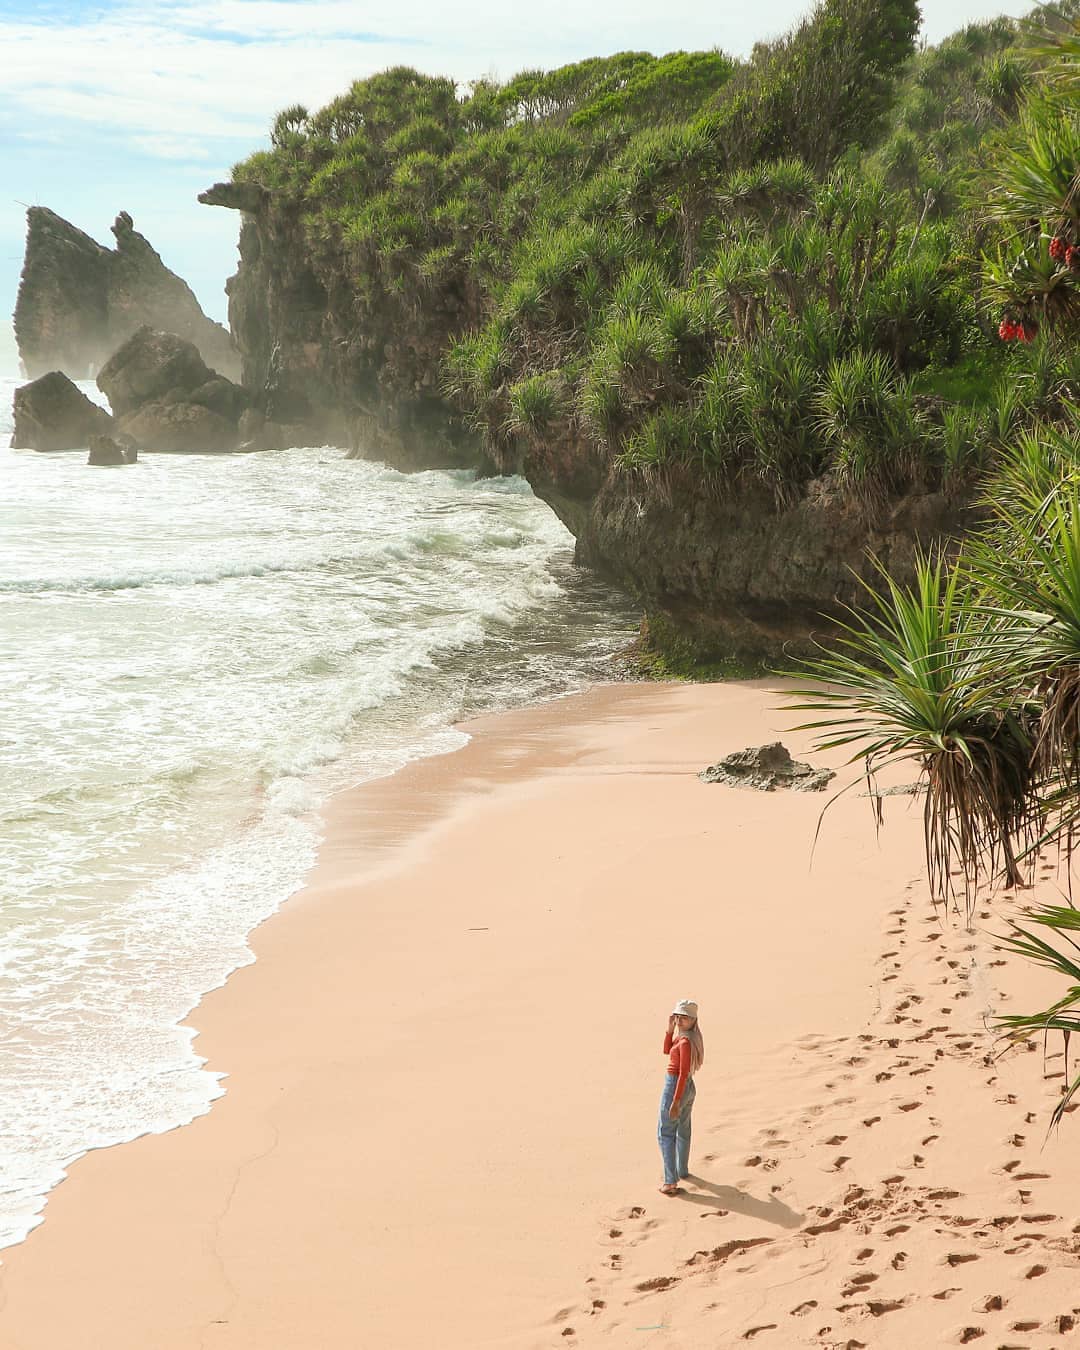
(969, 1334)
(804, 1308)
(834, 1140)
(1034, 1272)
(871, 1120)
(754, 1331)
(879, 1307)
(945, 1293)
(897, 1229)
(909, 1106)
(899, 1261)
(960, 1258)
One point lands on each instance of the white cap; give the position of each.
(686, 1007)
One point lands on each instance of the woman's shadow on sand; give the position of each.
(738, 1202)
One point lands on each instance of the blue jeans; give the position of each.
(674, 1135)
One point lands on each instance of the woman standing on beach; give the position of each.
(686, 1054)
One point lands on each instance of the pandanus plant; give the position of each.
(916, 678)
(972, 673)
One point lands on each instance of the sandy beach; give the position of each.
(444, 1065)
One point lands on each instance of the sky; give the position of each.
(138, 105)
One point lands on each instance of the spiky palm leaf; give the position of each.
(916, 678)
(1064, 1015)
(1036, 581)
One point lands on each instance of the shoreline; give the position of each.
(440, 1087)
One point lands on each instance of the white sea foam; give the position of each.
(195, 652)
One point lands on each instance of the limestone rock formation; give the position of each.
(767, 767)
(109, 450)
(165, 397)
(188, 427)
(52, 414)
(309, 366)
(78, 301)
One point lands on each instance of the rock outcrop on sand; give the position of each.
(165, 397)
(766, 768)
(78, 301)
(52, 414)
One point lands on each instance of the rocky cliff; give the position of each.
(78, 301)
(308, 363)
(721, 575)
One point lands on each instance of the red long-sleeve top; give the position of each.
(677, 1049)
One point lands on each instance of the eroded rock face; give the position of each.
(730, 572)
(151, 365)
(165, 397)
(316, 374)
(186, 427)
(52, 414)
(766, 768)
(78, 301)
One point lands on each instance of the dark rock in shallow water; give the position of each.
(166, 398)
(179, 426)
(260, 433)
(78, 300)
(110, 450)
(767, 767)
(152, 366)
(223, 397)
(52, 414)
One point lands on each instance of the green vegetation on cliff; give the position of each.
(765, 270)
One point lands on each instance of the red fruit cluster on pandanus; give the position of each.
(1058, 248)
(1072, 258)
(1019, 331)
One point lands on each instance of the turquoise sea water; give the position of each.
(194, 652)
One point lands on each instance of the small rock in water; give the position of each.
(112, 450)
(766, 768)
